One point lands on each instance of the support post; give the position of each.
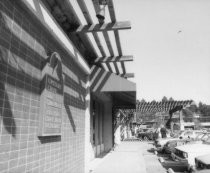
(181, 121)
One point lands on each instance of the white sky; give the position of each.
(168, 62)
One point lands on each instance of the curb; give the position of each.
(170, 170)
(161, 159)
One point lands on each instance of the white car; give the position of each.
(188, 153)
(189, 134)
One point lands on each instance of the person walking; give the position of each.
(163, 132)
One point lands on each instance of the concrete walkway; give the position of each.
(130, 157)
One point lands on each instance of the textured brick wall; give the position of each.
(23, 47)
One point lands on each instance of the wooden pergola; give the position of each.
(68, 18)
(161, 106)
(153, 107)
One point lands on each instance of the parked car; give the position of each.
(189, 134)
(169, 147)
(160, 142)
(190, 152)
(147, 134)
(202, 164)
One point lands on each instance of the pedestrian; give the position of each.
(163, 132)
(117, 136)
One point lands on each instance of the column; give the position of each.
(181, 121)
(87, 128)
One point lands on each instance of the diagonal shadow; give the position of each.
(16, 69)
(6, 113)
(11, 69)
(69, 100)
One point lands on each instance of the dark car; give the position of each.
(147, 134)
(202, 163)
(169, 147)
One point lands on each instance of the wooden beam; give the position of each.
(127, 75)
(85, 11)
(106, 37)
(96, 5)
(89, 20)
(117, 38)
(109, 67)
(99, 44)
(105, 33)
(111, 11)
(123, 67)
(116, 68)
(114, 59)
(104, 27)
(116, 33)
(108, 43)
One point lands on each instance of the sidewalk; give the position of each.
(130, 157)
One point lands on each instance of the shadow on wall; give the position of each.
(13, 65)
(6, 113)
(99, 80)
(70, 100)
(49, 139)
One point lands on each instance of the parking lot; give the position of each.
(135, 155)
(159, 162)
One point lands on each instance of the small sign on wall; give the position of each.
(50, 120)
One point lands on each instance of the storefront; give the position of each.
(107, 96)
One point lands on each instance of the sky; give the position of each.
(170, 42)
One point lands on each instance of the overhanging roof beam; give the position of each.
(111, 11)
(89, 20)
(123, 67)
(116, 68)
(114, 59)
(108, 43)
(116, 33)
(127, 75)
(85, 11)
(109, 67)
(105, 33)
(104, 27)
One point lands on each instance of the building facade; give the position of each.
(51, 117)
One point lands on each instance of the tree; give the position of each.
(170, 99)
(143, 101)
(153, 101)
(204, 109)
(197, 124)
(164, 99)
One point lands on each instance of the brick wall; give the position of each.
(23, 47)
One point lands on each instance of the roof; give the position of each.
(165, 106)
(204, 159)
(153, 107)
(86, 34)
(192, 148)
(123, 91)
(161, 106)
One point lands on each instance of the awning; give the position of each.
(122, 90)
